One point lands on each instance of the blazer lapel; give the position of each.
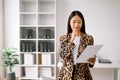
(82, 45)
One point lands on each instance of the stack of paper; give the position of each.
(47, 78)
(30, 71)
(89, 52)
(47, 71)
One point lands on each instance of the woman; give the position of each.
(71, 46)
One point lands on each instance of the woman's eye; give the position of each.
(74, 22)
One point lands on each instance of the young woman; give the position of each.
(71, 46)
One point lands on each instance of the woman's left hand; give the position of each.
(92, 60)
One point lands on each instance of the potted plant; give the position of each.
(9, 61)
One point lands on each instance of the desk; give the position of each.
(5, 78)
(114, 65)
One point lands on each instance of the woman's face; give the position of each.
(76, 23)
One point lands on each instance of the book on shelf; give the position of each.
(48, 33)
(27, 46)
(49, 46)
(52, 46)
(31, 46)
(52, 59)
(40, 59)
(52, 33)
(23, 46)
(40, 46)
(34, 46)
(30, 33)
(23, 33)
(45, 46)
(44, 33)
(40, 34)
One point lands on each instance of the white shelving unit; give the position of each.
(37, 39)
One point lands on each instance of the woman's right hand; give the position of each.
(72, 37)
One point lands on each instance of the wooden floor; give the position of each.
(5, 78)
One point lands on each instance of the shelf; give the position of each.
(27, 25)
(46, 0)
(28, 46)
(46, 59)
(28, 72)
(28, 78)
(27, 13)
(46, 6)
(46, 46)
(28, 59)
(53, 13)
(28, 32)
(46, 65)
(43, 71)
(22, 65)
(46, 32)
(46, 19)
(28, 0)
(37, 39)
(28, 6)
(46, 25)
(28, 19)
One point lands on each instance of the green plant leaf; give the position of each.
(10, 57)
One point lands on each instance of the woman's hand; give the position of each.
(72, 37)
(92, 60)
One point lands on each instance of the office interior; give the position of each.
(102, 21)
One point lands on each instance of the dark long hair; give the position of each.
(74, 13)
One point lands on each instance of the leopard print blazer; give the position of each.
(82, 71)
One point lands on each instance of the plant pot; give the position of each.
(10, 76)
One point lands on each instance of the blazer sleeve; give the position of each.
(66, 47)
(90, 40)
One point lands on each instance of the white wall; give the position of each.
(1, 38)
(102, 21)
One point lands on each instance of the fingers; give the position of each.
(92, 60)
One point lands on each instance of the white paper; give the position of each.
(46, 78)
(89, 52)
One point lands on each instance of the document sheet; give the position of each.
(89, 52)
(46, 78)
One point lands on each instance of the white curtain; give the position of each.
(2, 72)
